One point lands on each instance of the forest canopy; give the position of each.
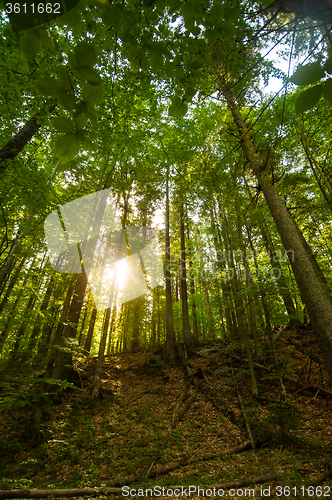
(165, 103)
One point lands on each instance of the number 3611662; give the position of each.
(33, 8)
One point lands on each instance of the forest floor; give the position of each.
(192, 424)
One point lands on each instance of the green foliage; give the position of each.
(281, 422)
(67, 146)
(308, 99)
(305, 75)
(154, 363)
(308, 74)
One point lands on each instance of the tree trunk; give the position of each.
(63, 363)
(136, 325)
(252, 314)
(209, 315)
(313, 294)
(188, 337)
(88, 340)
(112, 329)
(220, 263)
(12, 310)
(170, 339)
(39, 319)
(281, 281)
(11, 284)
(268, 322)
(244, 337)
(101, 355)
(21, 139)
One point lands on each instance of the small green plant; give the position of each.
(280, 423)
(154, 362)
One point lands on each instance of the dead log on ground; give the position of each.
(80, 492)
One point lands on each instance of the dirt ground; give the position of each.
(186, 423)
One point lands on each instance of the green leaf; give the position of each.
(327, 90)
(157, 62)
(196, 30)
(63, 124)
(90, 75)
(30, 43)
(190, 91)
(328, 65)
(113, 17)
(308, 98)
(179, 72)
(176, 100)
(72, 60)
(232, 14)
(134, 65)
(211, 36)
(92, 114)
(67, 146)
(47, 86)
(44, 38)
(67, 100)
(81, 121)
(217, 13)
(92, 94)
(64, 78)
(178, 107)
(305, 75)
(227, 29)
(85, 54)
(87, 139)
(173, 110)
(197, 64)
(145, 63)
(183, 109)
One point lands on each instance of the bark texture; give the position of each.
(312, 292)
(15, 145)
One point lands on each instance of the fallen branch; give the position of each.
(315, 388)
(80, 492)
(183, 462)
(243, 410)
(265, 368)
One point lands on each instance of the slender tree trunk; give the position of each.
(80, 338)
(252, 314)
(313, 294)
(60, 327)
(153, 318)
(63, 365)
(136, 325)
(112, 329)
(11, 284)
(40, 316)
(50, 321)
(268, 322)
(220, 263)
(101, 355)
(88, 340)
(170, 337)
(239, 306)
(209, 315)
(281, 281)
(188, 338)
